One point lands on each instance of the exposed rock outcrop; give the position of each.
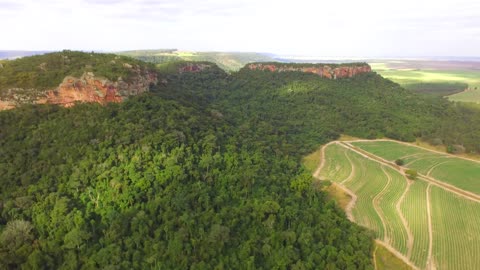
(322, 70)
(6, 105)
(193, 67)
(87, 88)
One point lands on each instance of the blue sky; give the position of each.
(348, 28)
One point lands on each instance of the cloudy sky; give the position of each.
(359, 28)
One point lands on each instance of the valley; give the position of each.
(427, 221)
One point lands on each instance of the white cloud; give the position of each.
(349, 27)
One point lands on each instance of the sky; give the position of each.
(341, 28)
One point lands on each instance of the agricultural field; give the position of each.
(459, 80)
(424, 224)
(461, 173)
(456, 230)
(338, 164)
(385, 260)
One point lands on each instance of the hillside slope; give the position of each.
(202, 172)
(228, 61)
(162, 182)
(365, 105)
(68, 77)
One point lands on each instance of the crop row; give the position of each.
(456, 230)
(337, 166)
(379, 188)
(414, 209)
(462, 173)
(367, 183)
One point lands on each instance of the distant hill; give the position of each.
(229, 61)
(18, 54)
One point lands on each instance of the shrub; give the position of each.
(411, 174)
(399, 162)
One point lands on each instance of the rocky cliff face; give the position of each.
(322, 70)
(193, 67)
(87, 88)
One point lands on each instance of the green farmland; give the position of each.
(461, 173)
(442, 78)
(430, 227)
(456, 238)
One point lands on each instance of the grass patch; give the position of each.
(385, 260)
(472, 94)
(344, 137)
(312, 161)
(338, 195)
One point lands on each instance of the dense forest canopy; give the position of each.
(47, 71)
(202, 173)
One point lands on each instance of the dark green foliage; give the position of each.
(437, 89)
(399, 162)
(455, 149)
(458, 127)
(47, 71)
(202, 173)
(150, 183)
(315, 108)
(411, 174)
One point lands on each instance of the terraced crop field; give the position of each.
(339, 167)
(456, 231)
(461, 173)
(417, 219)
(426, 224)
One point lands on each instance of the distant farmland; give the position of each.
(459, 80)
(432, 222)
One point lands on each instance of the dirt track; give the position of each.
(353, 200)
(430, 180)
(376, 206)
(448, 187)
(404, 221)
(430, 262)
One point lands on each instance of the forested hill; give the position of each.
(48, 70)
(303, 105)
(228, 61)
(67, 77)
(202, 172)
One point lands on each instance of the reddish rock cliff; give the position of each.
(193, 67)
(87, 88)
(322, 70)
